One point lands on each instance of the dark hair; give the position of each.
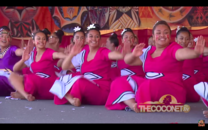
(113, 39)
(183, 29)
(33, 37)
(97, 28)
(46, 31)
(5, 28)
(81, 30)
(128, 30)
(158, 23)
(59, 34)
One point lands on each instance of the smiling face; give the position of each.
(93, 38)
(161, 35)
(40, 40)
(183, 39)
(128, 36)
(5, 40)
(78, 36)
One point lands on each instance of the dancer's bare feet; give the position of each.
(135, 108)
(73, 101)
(132, 104)
(76, 102)
(205, 113)
(30, 97)
(17, 95)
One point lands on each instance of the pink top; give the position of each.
(130, 70)
(96, 69)
(45, 66)
(165, 65)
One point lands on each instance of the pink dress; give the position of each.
(205, 67)
(115, 71)
(163, 76)
(130, 70)
(198, 70)
(189, 80)
(92, 86)
(42, 76)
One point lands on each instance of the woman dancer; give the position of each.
(9, 55)
(93, 86)
(78, 35)
(189, 78)
(112, 44)
(163, 66)
(128, 38)
(55, 40)
(41, 61)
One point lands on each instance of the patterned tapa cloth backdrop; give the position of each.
(25, 19)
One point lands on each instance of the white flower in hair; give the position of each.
(77, 29)
(196, 39)
(178, 28)
(111, 33)
(91, 26)
(155, 23)
(123, 31)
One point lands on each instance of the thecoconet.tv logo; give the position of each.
(167, 103)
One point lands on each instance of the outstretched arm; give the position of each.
(133, 59)
(205, 51)
(115, 55)
(19, 51)
(21, 64)
(186, 53)
(73, 51)
(67, 64)
(59, 55)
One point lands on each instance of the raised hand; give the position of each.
(119, 48)
(138, 50)
(26, 53)
(77, 48)
(67, 49)
(23, 45)
(200, 44)
(30, 45)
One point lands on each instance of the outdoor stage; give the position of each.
(45, 111)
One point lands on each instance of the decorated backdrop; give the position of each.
(22, 20)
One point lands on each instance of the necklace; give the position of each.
(3, 53)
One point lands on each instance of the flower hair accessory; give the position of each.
(3, 31)
(91, 26)
(155, 23)
(123, 31)
(178, 28)
(112, 34)
(77, 29)
(196, 39)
